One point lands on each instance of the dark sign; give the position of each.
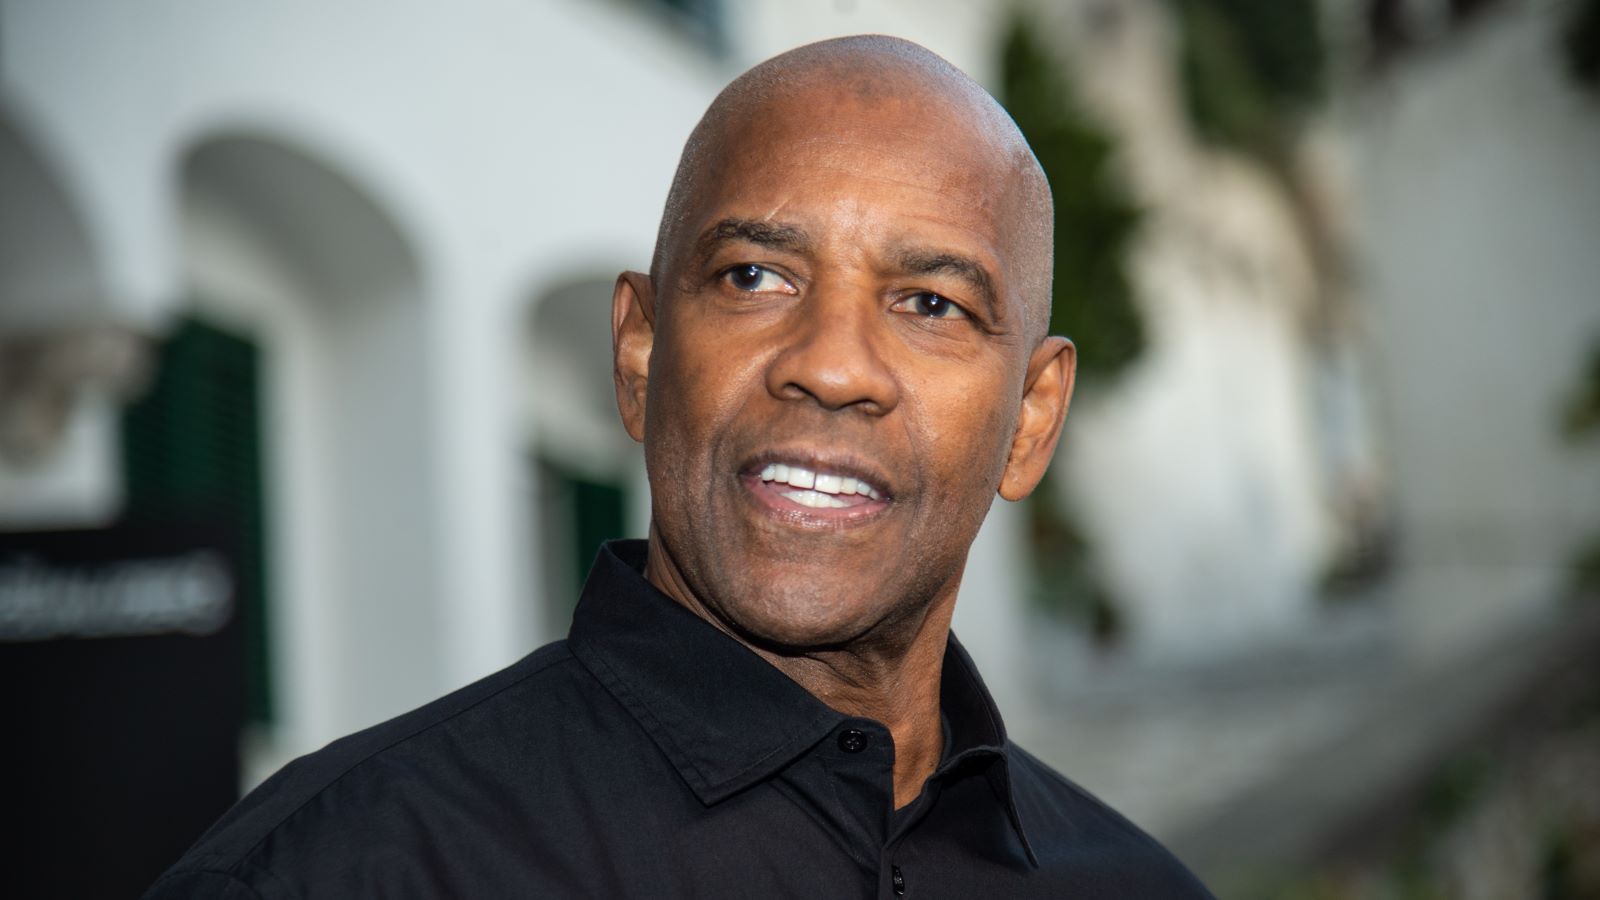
(122, 702)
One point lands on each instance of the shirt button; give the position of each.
(897, 880)
(852, 741)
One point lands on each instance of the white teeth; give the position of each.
(811, 483)
(815, 499)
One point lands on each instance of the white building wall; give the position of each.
(238, 285)
(1196, 472)
(1479, 165)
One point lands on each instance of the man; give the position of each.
(838, 358)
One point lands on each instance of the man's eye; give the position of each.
(755, 278)
(931, 306)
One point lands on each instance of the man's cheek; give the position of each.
(970, 432)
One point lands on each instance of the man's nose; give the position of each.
(833, 354)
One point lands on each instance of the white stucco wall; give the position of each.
(1197, 473)
(1479, 182)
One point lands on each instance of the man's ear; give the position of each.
(1045, 395)
(633, 332)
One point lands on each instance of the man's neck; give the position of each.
(899, 690)
(893, 679)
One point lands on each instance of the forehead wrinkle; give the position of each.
(840, 153)
(983, 187)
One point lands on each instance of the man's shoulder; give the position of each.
(369, 768)
(1072, 829)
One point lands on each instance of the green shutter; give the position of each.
(579, 513)
(191, 446)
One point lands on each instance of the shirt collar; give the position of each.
(723, 716)
(976, 730)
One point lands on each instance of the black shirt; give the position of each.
(650, 755)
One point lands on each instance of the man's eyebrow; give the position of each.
(763, 234)
(935, 262)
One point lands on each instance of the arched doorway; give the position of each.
(291, 254)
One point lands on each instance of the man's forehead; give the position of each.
(818, 148)
(841, 169)
(901, 115)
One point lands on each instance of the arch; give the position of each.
(344, 244)
(571, 409)
(64, 360)
(50, 276)
(280, 244)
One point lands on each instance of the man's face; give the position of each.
(837, 365)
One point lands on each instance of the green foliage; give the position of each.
(1586, 570)
(1065, 584)
(1581, 418)
(1250, 68)
(1094, 217)
(1583, 43)
(1091, 299)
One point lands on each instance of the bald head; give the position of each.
(873, 71)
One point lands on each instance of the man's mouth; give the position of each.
(818, 490)
(818, 493)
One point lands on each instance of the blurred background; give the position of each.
(306, 418)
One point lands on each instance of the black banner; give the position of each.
(122, 702)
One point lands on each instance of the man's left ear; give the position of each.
(1045, 395)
